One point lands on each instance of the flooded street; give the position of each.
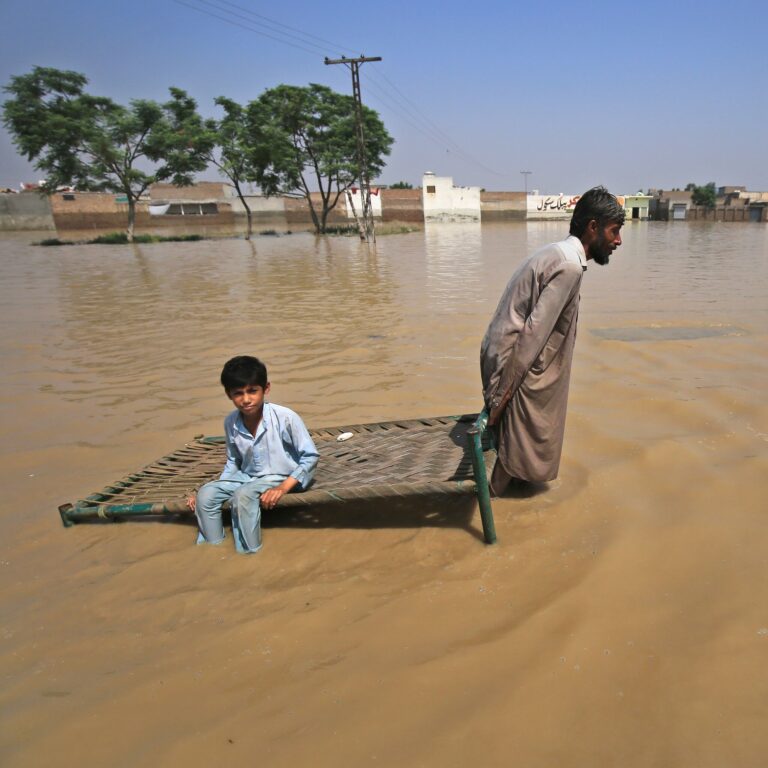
(622, 618)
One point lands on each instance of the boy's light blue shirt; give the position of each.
(281, 446)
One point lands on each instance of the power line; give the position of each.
(431, 131)
(249, 28)
(385, 92)
(437, 129)
(409, 117)
(272, 22)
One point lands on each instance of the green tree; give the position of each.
(230, 150)
(706, 195)
(95, 144)
(304, 138)
(401, 185)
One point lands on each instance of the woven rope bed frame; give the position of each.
(440, 455)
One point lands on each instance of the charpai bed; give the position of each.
(439, 455)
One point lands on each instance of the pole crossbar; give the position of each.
(368, 232)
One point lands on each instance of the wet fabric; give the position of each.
(527, 351)
(245, 508)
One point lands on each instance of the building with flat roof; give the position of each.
(444, 202)
(637, 207)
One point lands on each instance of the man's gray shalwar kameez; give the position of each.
(528, 348)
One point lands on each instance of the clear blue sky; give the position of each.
(631, 95)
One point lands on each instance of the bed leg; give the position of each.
(64, 512)
(481, 478)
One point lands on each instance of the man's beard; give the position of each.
(600, 251)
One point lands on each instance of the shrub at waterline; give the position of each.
(121, 238)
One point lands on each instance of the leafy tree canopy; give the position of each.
(227, 145)
(95, 144)
(706, 195)
(304, 139)
(401, 185)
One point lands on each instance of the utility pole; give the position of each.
(526, 174)
(362, 163)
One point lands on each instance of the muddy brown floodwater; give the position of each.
(621, 620)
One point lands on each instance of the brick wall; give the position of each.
(728, 213)
(401, 205)
(99, 210)
(502, 206)
(203, 190)
(297, 211)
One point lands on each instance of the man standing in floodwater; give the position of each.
(526, 354)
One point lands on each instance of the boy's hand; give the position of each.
(270, 497)
(191, 503)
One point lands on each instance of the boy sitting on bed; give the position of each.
(269, 454)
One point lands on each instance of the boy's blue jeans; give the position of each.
(245, 509)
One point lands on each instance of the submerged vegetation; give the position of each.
(121, 238)
(393, 228)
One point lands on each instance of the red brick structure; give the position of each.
(401, 205)
(502, 206)
(100, 210)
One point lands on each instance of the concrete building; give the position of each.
(670, 206)
(444, 202)
(723, 191)
(637, 207)
(734, 203)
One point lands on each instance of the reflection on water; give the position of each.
(667, 333)
(451, 253)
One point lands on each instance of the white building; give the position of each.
(444, 202)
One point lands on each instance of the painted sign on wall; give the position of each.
(555, 206)
(551, 206)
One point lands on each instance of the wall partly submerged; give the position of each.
(25, 211)
(89, 211)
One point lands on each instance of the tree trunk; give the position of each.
(319, 228)
(248, 214)
(360, 228)
(131, 218)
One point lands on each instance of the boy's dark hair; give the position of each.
(599, 204)
(243, 371)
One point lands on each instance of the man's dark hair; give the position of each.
(243, 371)
(599, 204)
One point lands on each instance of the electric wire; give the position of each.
(268, 21)
(383, 90)
(249, 28)
(437, 130)
(431, 131)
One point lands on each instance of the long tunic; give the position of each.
(528, 349)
